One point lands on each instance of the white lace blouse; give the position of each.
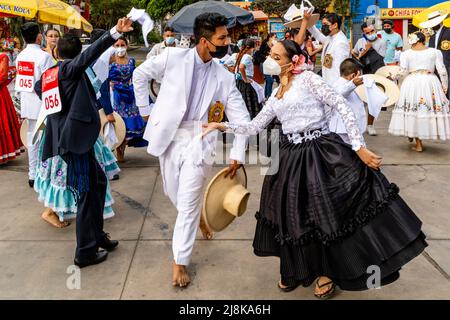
(307, 106)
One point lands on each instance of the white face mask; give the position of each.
(121, 51)
(274, 42)
(271, 67)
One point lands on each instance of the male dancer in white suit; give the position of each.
(192, 85)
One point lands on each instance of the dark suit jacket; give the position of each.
(444, 36)
(76, 128)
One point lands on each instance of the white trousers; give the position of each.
(32, 150)
(184, 174)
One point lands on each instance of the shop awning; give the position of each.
(260, 15)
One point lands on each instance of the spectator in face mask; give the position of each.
(370, 51)
(393, 40)
(122, 97)
(169, 41)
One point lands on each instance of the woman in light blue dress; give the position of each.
(59, 201)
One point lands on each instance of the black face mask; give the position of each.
(326, 29)
(388, 30)
(220, 52)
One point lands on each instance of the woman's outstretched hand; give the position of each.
(369, 158)
(210, 127)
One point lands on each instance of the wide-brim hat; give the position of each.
(388, 71)
(119, 127)
(225, 199)
(297, 21)
(435, 18)
(24, 132)
(388, 87)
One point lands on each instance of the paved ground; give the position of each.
(34, 257)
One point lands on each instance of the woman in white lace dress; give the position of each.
(422, 112)
(328, 213)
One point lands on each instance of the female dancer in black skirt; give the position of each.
(244, 71)
(328, 213)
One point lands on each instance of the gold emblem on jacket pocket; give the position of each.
(328, 61)
(216, 113)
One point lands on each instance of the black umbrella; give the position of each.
(183, 21)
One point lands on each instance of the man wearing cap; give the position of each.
(195, 89)
(394, 42)
(32, 62)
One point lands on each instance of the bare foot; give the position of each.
(206, 232)
(419, 146)
(51, 217)
(180, 276)
(321, 288)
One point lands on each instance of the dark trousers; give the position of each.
(90, 212)
(269, 85)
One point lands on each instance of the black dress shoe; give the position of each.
(116, 177)
(31, 183)
(98, 258)
(108, 244)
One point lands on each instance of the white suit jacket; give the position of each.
(30, 102)
(338, 47)
(174, 69)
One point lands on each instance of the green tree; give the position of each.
(159, 9)
(105, 13)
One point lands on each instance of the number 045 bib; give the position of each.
(25, 76)
(51, 99)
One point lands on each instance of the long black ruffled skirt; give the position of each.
(325, 213)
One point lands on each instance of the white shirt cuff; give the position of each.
(115, 34)
(145, 110)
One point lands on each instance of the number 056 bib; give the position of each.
(51, 99)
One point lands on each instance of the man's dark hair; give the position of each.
(388, 22)
(205, 25)
(363, 26)
(96, 34)
(349, 66)
(69, 46)
(30, 31)
(334, 18)
(169, 29)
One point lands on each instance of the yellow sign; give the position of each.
(400, 13)
(15, 9)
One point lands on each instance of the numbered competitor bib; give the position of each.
(51, 99)
(25, 76)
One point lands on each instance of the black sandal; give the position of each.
(288, 289)
(327, 294)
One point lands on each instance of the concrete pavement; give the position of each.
(34, 257)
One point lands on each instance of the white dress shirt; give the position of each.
(29, 101)
(197, 93)
(347, 89)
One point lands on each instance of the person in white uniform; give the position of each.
(35, 61)
(336, 47)
(194, 90)
(350, 78)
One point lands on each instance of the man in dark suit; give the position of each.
(72, 133)
(441, 40)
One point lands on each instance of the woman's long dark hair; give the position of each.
(248, 45)
(292, 49)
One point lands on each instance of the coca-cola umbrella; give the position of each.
(183, 21)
